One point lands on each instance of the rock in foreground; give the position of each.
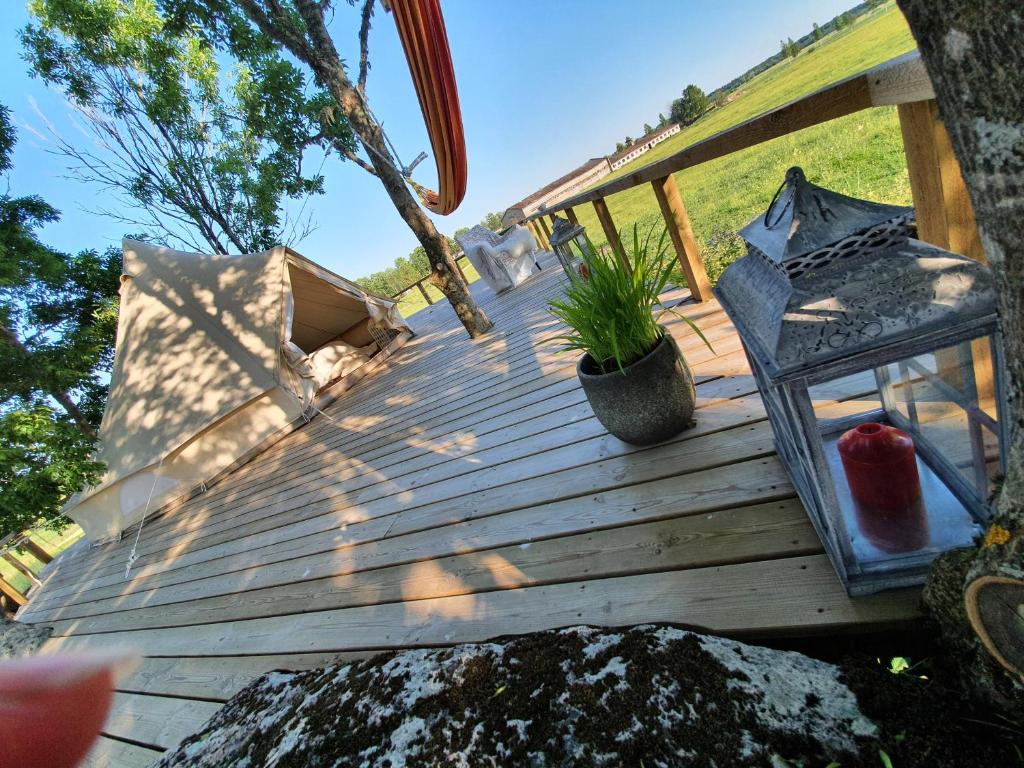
(652, 696)
(17, 639)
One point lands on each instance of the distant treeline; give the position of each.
(409, 269)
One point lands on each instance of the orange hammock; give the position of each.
(425, 40)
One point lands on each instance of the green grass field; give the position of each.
(860, 155)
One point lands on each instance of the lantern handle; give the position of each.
(794, 176)
(775, 199)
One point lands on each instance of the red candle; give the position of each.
(880, 466)
(881, 470)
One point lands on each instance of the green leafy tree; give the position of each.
(816, 32)
(790, 48)
(245, 30)
(662, 120)
(647, 128)
(628, 141)
(58, 318)
(196, 153)
(492, 221)
(619, 146)
(690, 106)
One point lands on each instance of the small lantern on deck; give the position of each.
(879, 363)
(563, 233)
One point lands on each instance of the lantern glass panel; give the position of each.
(933, 397)
(948, 397)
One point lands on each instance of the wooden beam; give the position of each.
(678, 222)
(424, 292)
(608, 225)
(7, 589)
(19, 566)
(35, 550)
(570, 214)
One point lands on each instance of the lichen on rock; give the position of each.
(651, 695)
(18, 639)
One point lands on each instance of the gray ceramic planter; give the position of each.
(652, 401)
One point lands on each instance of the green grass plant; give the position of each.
(611, 311)
(859, 155)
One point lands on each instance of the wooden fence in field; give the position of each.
(425, 279)
(943, 209)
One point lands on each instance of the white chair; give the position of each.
(503, 261)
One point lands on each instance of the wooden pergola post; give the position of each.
(35, 550)
(7, 590)
(570, 214)
(424, 292)
(19, 566)
(681, 232)
(608, 225)
(547, 232)
(945, 217)
(538, 235)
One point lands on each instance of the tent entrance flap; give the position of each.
(202, 373)
(321, 312)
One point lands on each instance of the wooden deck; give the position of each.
(463, 492)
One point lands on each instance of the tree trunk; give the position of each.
(318, 51)
(973, 52)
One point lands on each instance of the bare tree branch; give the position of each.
(364, 46)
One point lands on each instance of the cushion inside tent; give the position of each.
(218, 357)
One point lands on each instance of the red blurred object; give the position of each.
(880, 466)
(425, 40)
(53, 707)
(881, 470)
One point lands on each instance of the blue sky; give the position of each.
(544, 86)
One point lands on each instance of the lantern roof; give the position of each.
(803, 218)
(872, 303)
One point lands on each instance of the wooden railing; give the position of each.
(10, 545)
(943, 209)
(426, 278)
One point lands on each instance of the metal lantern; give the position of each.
(860, 335)
(563, 232)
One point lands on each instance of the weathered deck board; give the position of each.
(110, 753)
(462, 492)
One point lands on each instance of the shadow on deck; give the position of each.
(465, 491)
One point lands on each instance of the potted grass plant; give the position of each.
(635, 378)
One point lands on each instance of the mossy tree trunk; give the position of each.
(973, 52)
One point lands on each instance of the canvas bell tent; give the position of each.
(216, 357)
